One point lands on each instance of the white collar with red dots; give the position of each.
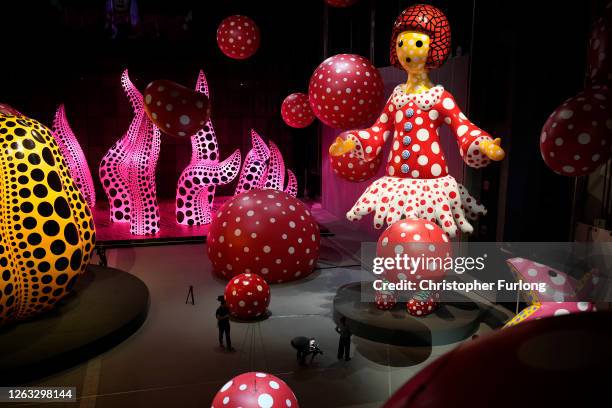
(424, 100)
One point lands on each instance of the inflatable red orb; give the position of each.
(350, 167)
(267, 232)
(346, 92)
(423, 303)
(247, 296)
(577, 137)
(384, 300)
(296, 111)
(8, 110)
(255, 390)
(238, 37)
(175, 109)
(418, 239)
(340, 3)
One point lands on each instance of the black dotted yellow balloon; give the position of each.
(46, 228)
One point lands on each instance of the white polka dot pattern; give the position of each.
(255, 390)
(238, 37)
(266, 232)
(247, 295)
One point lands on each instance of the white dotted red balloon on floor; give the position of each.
(255, 390)
(577, 137)
(296, 111)
(267, 232)
(247, 296)
(238, 37)
(346, 91)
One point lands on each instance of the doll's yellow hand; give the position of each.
(341, 146)
(492, 149)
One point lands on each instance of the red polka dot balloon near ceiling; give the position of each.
(176, 110)
(255, 390)
(577, 136)
(238, 37)
(267, 232)
(296, 111)
(414, 238)
(247, 296)
(340, 3)
(346, 91)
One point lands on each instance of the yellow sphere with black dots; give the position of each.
(46, 228)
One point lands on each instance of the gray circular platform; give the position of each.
(107, 306)
(450, 323)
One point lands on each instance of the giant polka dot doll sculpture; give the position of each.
(417, 183)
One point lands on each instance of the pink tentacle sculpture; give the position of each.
(127, 170)
(73, 154)
(274, 177)
(292, 186)
(197, 184)
(254, 166)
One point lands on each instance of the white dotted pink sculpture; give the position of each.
(562, 291)
(264, 168)
(127, 170)
(73, 154)
(197, 184)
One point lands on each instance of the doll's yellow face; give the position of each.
(412, 49)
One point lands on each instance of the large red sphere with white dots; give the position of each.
(296, 111)
(247, 296)
(267, 232)
(255, 390)
(577, 137)
(346, 92)
(350, 167)
(238, 37)
(416, 239)
(340, 3)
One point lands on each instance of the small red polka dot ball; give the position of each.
(267, 232)
(238, 37)
(255, 390)
(346, 92)
(296, 111)
(416, 239)
(247, 296)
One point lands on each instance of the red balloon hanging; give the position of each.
(238, 37)
(296, 111)
(340, 3)
(175, 109)
(346, 91)
(577, 136)
(247, 296)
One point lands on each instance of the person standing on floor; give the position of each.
(223, 323)
(344, 344)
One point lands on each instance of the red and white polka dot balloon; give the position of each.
(238, 37)
(352, 168)
(384, 299)
(416, 238)
(577, 136)
(341, 3)
(296, 111)
(423, 303)
(346, 91)
(255, 390)
(175, 109)
(247, 296)
(267, 232)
